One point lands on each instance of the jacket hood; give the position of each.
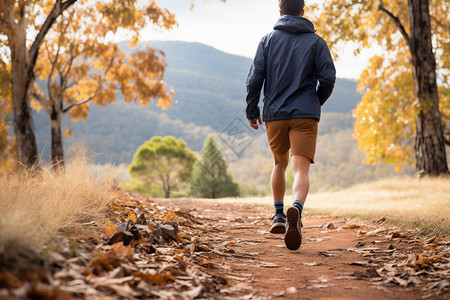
(292, 24)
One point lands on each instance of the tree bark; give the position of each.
(22, 77)
(20, 81)
(57, 142)
(429, 143)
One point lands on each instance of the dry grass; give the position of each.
(411, 203)
(408, 202)
(35, 205)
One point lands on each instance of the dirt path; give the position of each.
(172, 249)
(336, 260)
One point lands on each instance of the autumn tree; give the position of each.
(210, 178)
(6, 142)
(19, 21)
(402, 100)
(81, 65)
(166, 161)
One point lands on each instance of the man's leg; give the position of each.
(278, 179)
(278, 183)
(300, 170)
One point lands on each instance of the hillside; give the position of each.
(210, 93)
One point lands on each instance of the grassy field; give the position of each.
(35, 205)
(410, 203)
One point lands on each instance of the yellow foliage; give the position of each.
(83, 66)
(7, 143)
(36, 105)
(68, 132)
(385, 118)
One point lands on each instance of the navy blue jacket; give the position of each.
(295, 66)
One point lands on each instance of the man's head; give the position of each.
(291, 7)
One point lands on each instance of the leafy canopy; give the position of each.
(81, 62)
(165, 162)
(385, 118)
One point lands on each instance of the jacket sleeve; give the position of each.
(324, 71)
(255, 81)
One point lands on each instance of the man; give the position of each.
(295, 67)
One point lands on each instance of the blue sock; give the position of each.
(279, 208)
(299, 205)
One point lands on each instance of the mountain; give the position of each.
(210, 95)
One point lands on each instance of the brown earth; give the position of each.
(336, 260)
(185, 249)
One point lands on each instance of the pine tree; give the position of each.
(210, 178)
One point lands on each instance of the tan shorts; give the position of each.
(299, 135)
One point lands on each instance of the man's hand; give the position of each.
(254, 122)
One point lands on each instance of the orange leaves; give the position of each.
(385, 118)
(123, 252)
(132, 217)
(206, 263)
(155, 278)
(143, 79)
(169, 217)
(82, 66)
(420, 260)
(110, 228)
(36, 105)
(68, 132)
(101, 260)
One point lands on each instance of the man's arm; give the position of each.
(255, 81)
(325, 72)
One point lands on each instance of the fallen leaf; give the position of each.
(123, 252)
(206, 263)
(360, 263)
(141, 220)
(9, 280)
(110, 228)
(102, 260)
(155, 278)
(169, 217)
(351, 226)
(327, 254)
(268, 265)
(132, 217)
(313, 264)
(376, 231)
(192, 294)
(117, 207)
(400, 281)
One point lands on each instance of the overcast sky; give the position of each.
(236, 27)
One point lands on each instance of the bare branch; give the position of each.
(99, 88)
(52, 70)
(81, 102)
(56, 11)
(398, 23)
(68, 67)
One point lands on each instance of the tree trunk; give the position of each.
(21, 79)
(57, 142)
(429, 144)
(167, 192)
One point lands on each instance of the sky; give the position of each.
(236, 27)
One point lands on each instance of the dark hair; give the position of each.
(291, 7)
